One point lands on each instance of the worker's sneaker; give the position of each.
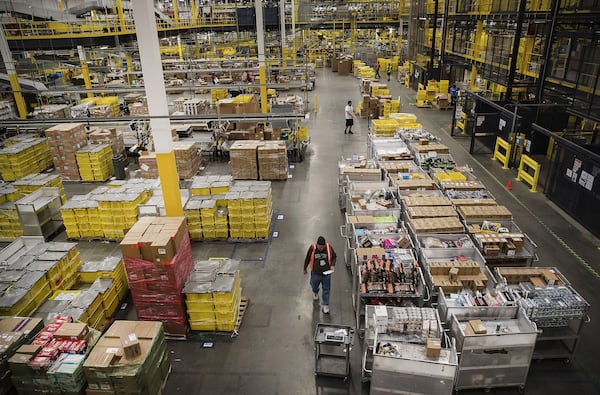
(316, 296)
(325, 309)
(350, 132)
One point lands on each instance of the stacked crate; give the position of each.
(250, 209)
(118, 210)
(137, 108)
(110, 268)
(34, 270)
(107, 136)
(115, 366)
(217, 94)
(29, 156)
(107, 106)
(83, 305)
(158, 259)
(10, 225)
(65, 140)
(95, 162)
(213, 294)
(272, 160)
(82, 219)
(33, 182)
(53, 363)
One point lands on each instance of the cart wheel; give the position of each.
(521, 389)
(567, 361)
(486, 390)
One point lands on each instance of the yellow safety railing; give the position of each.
(527, 164)
(498, 155)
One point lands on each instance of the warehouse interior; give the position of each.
(165, 165)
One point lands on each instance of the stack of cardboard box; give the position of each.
(272, 161)
(14, 332)
(53, 362)
(188, 158)
(242, 104)
(148, 164)
(158, 259)
(65, 139)
(52, 111)
(110, 136)
(344, 65)
(137, 108)
(131, 358)
(244, 162)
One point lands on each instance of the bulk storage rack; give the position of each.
(39, 212)
(499, 358)
(559, 320)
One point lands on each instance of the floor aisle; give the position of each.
(274, 352)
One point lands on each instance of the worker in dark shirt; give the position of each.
(320, 260)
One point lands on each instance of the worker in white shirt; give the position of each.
(349, 116)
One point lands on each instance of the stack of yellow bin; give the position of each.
(213, 294)
(357, 64)
(10, 225)
(263, 210)
(217, 94)
(118, 211)
(82, 219)
(234, 209)
(26, 157)
(33, 271)
(192, 212)
(33, 182)
(95, 162)
(384, 127)
(110, 268)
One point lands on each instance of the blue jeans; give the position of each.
(316, 280)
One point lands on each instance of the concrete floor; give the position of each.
(274, 353)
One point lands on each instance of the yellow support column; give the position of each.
(472, 84)
(175, 13)
(85, 70)
(194, 10)
(9, 64)
(477, 43)
(129, 68)
(179, 47)
(146, 32)
(260, 46)
(121, 16)
(169, 181)
(264, 106)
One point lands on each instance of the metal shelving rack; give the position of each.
(39, 212)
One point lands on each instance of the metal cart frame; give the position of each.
(554, 342)
(494, 359)
(328, 362)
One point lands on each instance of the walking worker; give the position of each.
(377, 67)
(349, 117)
(453, 94)
(320, 259)
(389, 70)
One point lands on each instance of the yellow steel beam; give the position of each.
(169, 182)
(175, 13)
(129, 68)
(263, 89)
(16, 88)
(121, 15)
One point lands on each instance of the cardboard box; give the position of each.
(30, 349)
(478, 327)
(72, 331)
(434, 347)
(131, 346)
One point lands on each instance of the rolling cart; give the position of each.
(332, 350)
